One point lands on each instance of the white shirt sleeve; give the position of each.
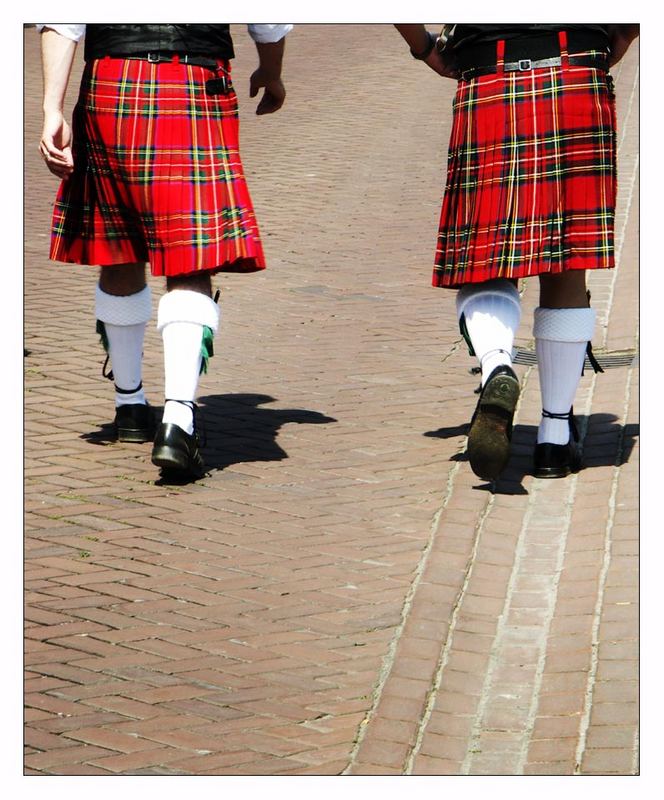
(71, 31)
(266, 32)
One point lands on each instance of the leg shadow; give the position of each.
(511, 481)
(235, 429)
(604, 443)
(104, 436)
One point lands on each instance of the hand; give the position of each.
(442, 62)
(273, 96)
(55, 145)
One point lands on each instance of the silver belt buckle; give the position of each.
(154, 58)
(525, 64)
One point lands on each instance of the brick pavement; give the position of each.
(340, 595)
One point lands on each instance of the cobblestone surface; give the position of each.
(340, 595)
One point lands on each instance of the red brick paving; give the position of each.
(340, 594)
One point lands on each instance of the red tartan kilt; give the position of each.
(531, 178)
(158, 175)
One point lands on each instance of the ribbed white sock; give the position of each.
(125, 318)
(182, 364)
(125, 345)
(183, 315)
(561, 339)
(492, 312)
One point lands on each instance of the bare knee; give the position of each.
(193, 282)
(563, 290)
(122, 279)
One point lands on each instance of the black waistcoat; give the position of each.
(475, 45)
(211, 41)
(466, 35)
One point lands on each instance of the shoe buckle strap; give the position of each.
(195, 411)
(552, 415)
(569, 416)
(128, 391)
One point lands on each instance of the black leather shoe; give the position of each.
(134, 423)
(490, 431)
(177, 451)
(558, 460)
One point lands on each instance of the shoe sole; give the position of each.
(556, 472)
(489, 438)
(551, 473)
(135, 436)
(172, 460)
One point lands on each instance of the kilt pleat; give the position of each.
(531, 176)
(158, 175)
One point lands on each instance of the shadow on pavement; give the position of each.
(449, 433)
(602, 445)
(232, 428)
(605, 444)
(235, 429)
(105, 435)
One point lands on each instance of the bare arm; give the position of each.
(418, 38)
(268, 77)
(55, 145)
(620, 38)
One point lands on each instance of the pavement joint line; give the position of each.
(544, 638)
(604, 570)
(445, 652)
(474, 736)
(584, 724)
(476, 731)
(444, 656)
(390, 656)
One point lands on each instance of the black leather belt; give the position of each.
(525, 65)
(159, 57)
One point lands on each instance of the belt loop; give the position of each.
(500, 56)
(562, 41)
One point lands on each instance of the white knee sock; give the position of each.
(182, 319)
(124, 318)
(492, 312)
(561, 339)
